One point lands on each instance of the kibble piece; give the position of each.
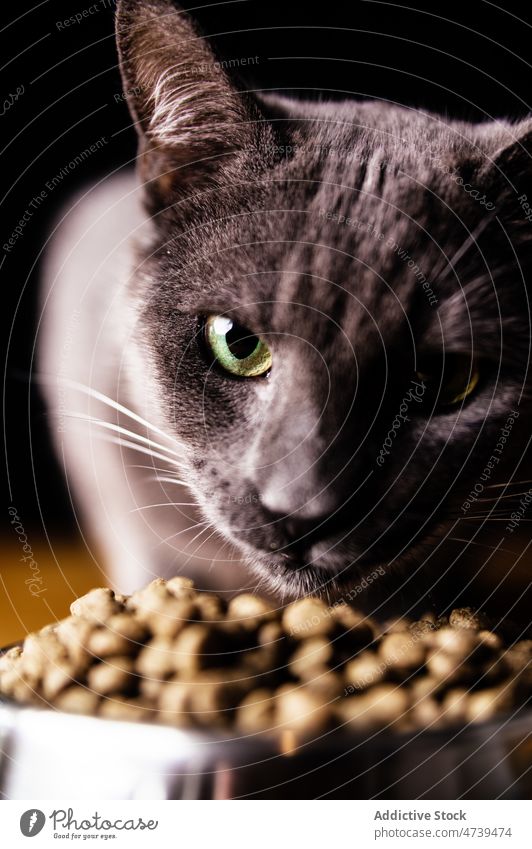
(127, 626)
(121, 599)
(26, 691)
(162, 612)
(486, 704)
(74, 634)
(402, 652)
(378, 707)
(301, 711)
(43, 647)
(490, 639)
(40, 651)
(311, 657)
(179, 586)
(171, 618)
(122, 635)
(113, 675)
(213, 696)
(151, 688)
(426, 713)
(328, 685)
(398, 625)
(309, 617)
(454, 655)
(256, 712)
(272, 633)
(9, 681)
(97, 605)
(354, 713)
(457, 643)
(197, 647)
(249, 611)
(455, 705)
(422, 627)
(364, 671)
(447, 668)
(207, 700)
(359, 625)
(262, 663)
(130, 710)
(388, 703)
(174, 702)
(156, 661)
(211, 607)
(10, 660)
(176, 714)
(10, 657)
(429, 616)
(424, 686)
(77, 699)
(10, 670)
(467, 618)
(273, 643)
(518, 657)
(58, 677)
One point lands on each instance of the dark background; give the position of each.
(470, 61)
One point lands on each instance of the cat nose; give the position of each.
(290, 497)
(298, 535)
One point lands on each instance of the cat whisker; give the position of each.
(481, 544)
(110, 402)
(164, 504)
(198, 547)
(508, 483)
(169, 480)
(150, 468)
(493, 513)
(466, 245)
(498, 498)
(145, 440)
(182, 531)
(486, 510)
(124, 443)
(481, 514)
(488, 519)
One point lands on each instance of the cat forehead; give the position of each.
(323, 259)
(318, 244)
(343, 230)
(350, 128)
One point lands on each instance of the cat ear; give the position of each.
(190, 118)
(508, 174)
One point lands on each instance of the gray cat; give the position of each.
(298, 339)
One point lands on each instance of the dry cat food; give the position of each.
(171, 654)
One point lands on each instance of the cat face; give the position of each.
(333, 308)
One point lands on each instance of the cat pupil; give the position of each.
(241, 342)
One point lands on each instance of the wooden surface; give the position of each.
(64, 573)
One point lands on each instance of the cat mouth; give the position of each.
(335, 574)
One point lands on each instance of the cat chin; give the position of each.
(289, 580)
(362, 584)
(293, 582)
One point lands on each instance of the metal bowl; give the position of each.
(48, 754)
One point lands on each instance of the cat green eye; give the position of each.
(235, 348)
(452, 385)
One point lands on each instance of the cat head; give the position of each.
(333, 309)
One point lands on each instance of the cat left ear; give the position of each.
(192, 121)
(509, 172)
